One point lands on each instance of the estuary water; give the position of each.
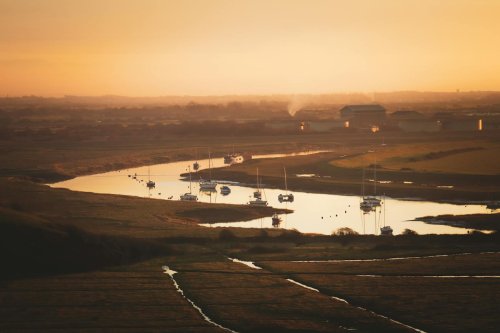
(312, 213)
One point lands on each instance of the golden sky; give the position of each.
(214, 47)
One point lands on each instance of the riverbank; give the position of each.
(121, 215)
(46, 231)
(486, 222)
(323, 177)
(50, 161)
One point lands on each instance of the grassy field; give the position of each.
(119, 215)
(249, 300)
(136, 298)
(477, 157)
(139, 297)
(297, 247)
(53, 160)
(59, 231)
(414, 291)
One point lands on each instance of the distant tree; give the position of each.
(409, 232)
(345, 231)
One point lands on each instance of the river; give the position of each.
(313, 213)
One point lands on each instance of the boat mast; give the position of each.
(209, 167)
(375, 178)
(384, 209)
(258, 187)
(286, 187)
(189, 168)
(363, 184)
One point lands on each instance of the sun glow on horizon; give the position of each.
(218, 47)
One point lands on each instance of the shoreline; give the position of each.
(305, 184)
(351, 189)
(52, 176)
(489, 223)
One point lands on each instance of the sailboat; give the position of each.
(150, 184)
(365, 205)
(234, 158)
(258, 199)
(208, 185)
(189, 196)
(385, 230)
(373, 200)
(285, 197)
(370, 203)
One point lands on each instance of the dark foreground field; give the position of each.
(68, 268)
(456, 293)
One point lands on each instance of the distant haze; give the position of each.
(218, 47)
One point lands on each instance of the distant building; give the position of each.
(284, 125)
(316, 113)
(321, 126)
(456, 121)
(364, 115)
(406, 115)
(462, 124)
(362, 110)
(419, 125)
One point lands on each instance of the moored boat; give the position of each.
(386, 230)
(287, 197)
(225, 190)
(258, 195)
(150, 184)
(257, 202)
(189, 196)
(208, 185)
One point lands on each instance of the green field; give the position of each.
(477, 157)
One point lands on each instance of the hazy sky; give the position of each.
(204, 47)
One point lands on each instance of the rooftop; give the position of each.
(363, 107)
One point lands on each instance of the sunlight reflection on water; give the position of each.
(313, 213)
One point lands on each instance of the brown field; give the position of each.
(140, 297)
(137, 298)
(249, 300)
(400, 290)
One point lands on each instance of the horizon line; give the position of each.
(254, 95)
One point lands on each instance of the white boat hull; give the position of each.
(258, 202)
(189, 197)
(208, 185)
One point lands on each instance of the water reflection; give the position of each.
(313, 213)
